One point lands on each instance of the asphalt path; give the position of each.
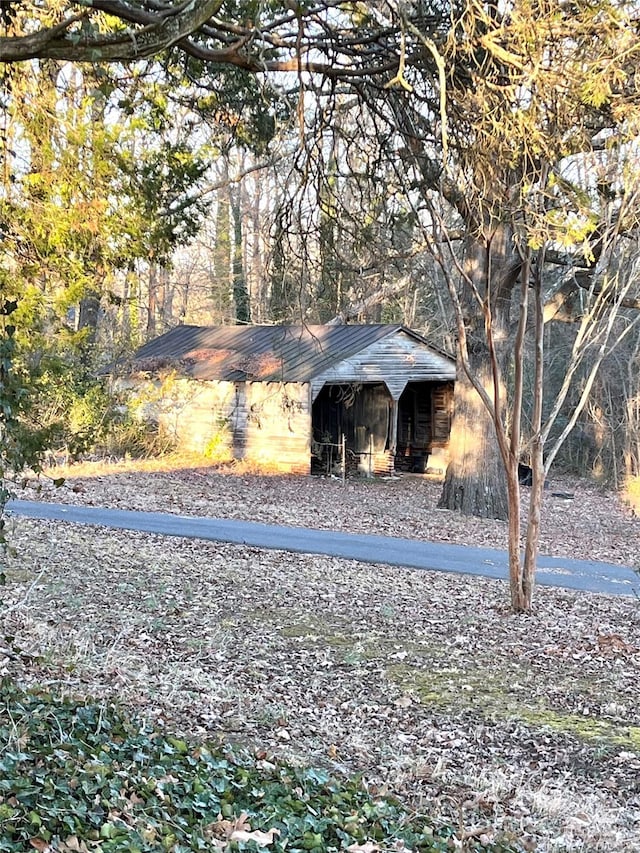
(585, 575)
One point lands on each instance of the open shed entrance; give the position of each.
(424, 423)
(380, 433)
(360, 413)
(365, 413)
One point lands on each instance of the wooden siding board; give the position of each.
(442, 413)
(266, 424)
(396, 360)
(278, 426)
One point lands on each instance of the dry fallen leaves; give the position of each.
(422, 682)
(367, 847)
(224, 831)
(593, 524)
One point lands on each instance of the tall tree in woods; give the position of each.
(240, 291)
(525, 106)
(484, 108)
(93, 188)
(284, 284)
(221, 249)
(229, 284)
(328, 296)
(89, 190)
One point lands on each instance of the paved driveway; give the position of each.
(591, 576)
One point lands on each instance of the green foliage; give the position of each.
(84, 199)
(128, 436)
(157, 210)
(241, 109)
(78, 414)
(87, 777)
(74, 411)
(59, 406)
(93, 196)
(12, 395)
(63, 405)
(19, 445)
(218, 448)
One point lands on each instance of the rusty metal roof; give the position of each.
(260, 353)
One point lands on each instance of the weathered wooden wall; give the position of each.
(395, 360)
(278, 426)
(267, 424)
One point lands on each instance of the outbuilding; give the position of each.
(289, 398)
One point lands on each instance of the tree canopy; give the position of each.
(259, 37)
(504, 134)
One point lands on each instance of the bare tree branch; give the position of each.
(67, 42)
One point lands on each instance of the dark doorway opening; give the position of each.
(424, 423)
(360, 413)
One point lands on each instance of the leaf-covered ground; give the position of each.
(87, 777)
(423, 682)
(580, 519)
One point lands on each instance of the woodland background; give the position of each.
(138, 197)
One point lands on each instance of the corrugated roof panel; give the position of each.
(263, 353)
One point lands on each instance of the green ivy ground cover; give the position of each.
(85, 777)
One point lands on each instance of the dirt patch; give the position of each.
(422, 682)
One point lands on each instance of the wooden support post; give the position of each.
(344, 459)
(393, 427)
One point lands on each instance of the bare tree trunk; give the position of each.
(520, 602)
(240, 292)
(475, 480)
(222, 287)
(532, 537)
(125, 310)
(257, 256)
(88, 314)
(152, 300)
(164, 298)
